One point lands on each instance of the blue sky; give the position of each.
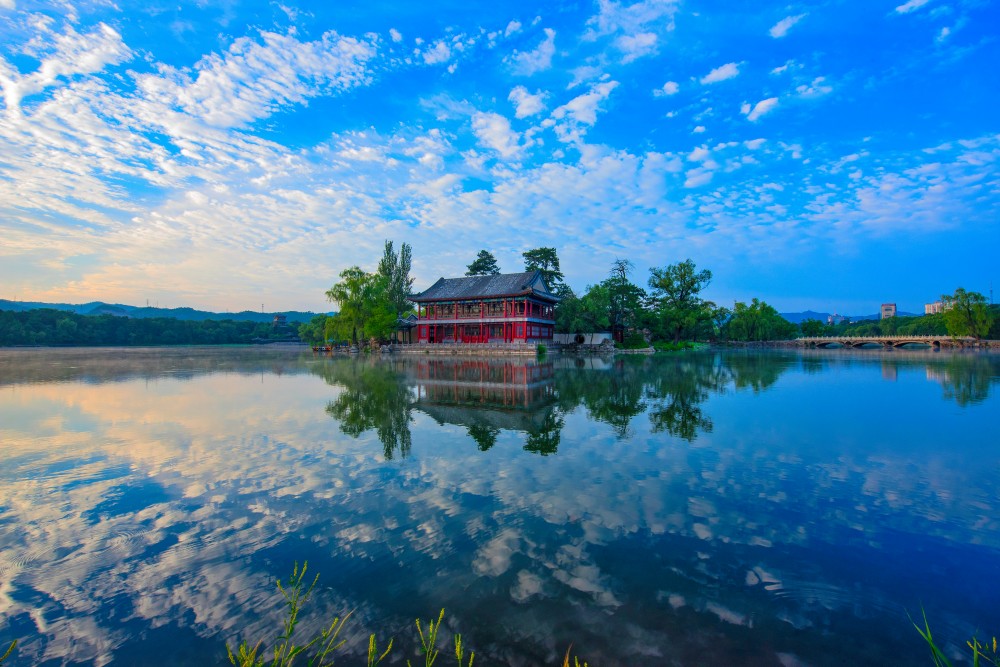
(829, 155)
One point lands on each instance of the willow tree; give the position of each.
(365, 310)
(967, 314)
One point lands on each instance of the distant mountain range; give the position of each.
(798, 318)
(138, 312)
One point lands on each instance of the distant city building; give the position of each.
(933, 308)
(888, 310)
(835, 319)
(279, 321)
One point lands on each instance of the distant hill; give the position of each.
(143, 312)
(798, 318)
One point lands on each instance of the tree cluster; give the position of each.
(369, 303)
(45, 326)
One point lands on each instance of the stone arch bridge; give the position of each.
(936, 342)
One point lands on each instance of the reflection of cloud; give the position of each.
(230, 473)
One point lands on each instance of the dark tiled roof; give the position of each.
(478, 287)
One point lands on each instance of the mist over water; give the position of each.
(710, 508)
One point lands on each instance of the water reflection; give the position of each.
(772, 508)
(491, 395)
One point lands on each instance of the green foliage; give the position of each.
(428, 642)
(967, 314)
(366, 310)
(812, 327)
(460, 653)
(296, 595)
(10, 649)
(395, 270)
(625, 300)
(678, 310)
(485, 264)
(544, 438)
(540, 350)
(576, 660)
(758, 321)
(670, 346)
(373, 399)
(547, 261)
(374, 657)
(981, 655)
(318, 651)
(47, 326)
(314, 331)
(484, 435)
(633, 341)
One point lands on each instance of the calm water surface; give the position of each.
(704, 509)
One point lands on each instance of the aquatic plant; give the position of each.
(319, 649)
(576, 660)
(13, 645)
(979, 652)
(286, 650)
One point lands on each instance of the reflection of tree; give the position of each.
(544, 439)
(613, 397)
(967, 379)
(677, 386)
(375, 398)
(484, 435)
(756, 371)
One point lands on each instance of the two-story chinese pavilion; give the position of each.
(510, 307)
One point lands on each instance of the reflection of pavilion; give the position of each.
(494, 393)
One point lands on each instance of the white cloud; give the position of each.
(537, 60)
(759, 109)
(699, 129)
(512, 27)
(526, 104)
(439, 53)
(669, 88)
(721, 73)
(910, 6)
(584, 73)
(817, 88)
(72, 54)
(494, 131)
(636, 46)
(781, 28)
(583, 109)
(253, 79)
(8, 4)
(789, 64)
(636, 27)
(943, 35)
(613, 17)
(697, 177)
(395, 35)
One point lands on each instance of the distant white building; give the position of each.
(835, 319)
(933, 308)
(888, 310)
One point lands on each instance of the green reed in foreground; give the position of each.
(981, 655)
(319, 651)
(10, 649)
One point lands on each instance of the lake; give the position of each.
(709, 508)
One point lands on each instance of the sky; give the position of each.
(831, 155)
